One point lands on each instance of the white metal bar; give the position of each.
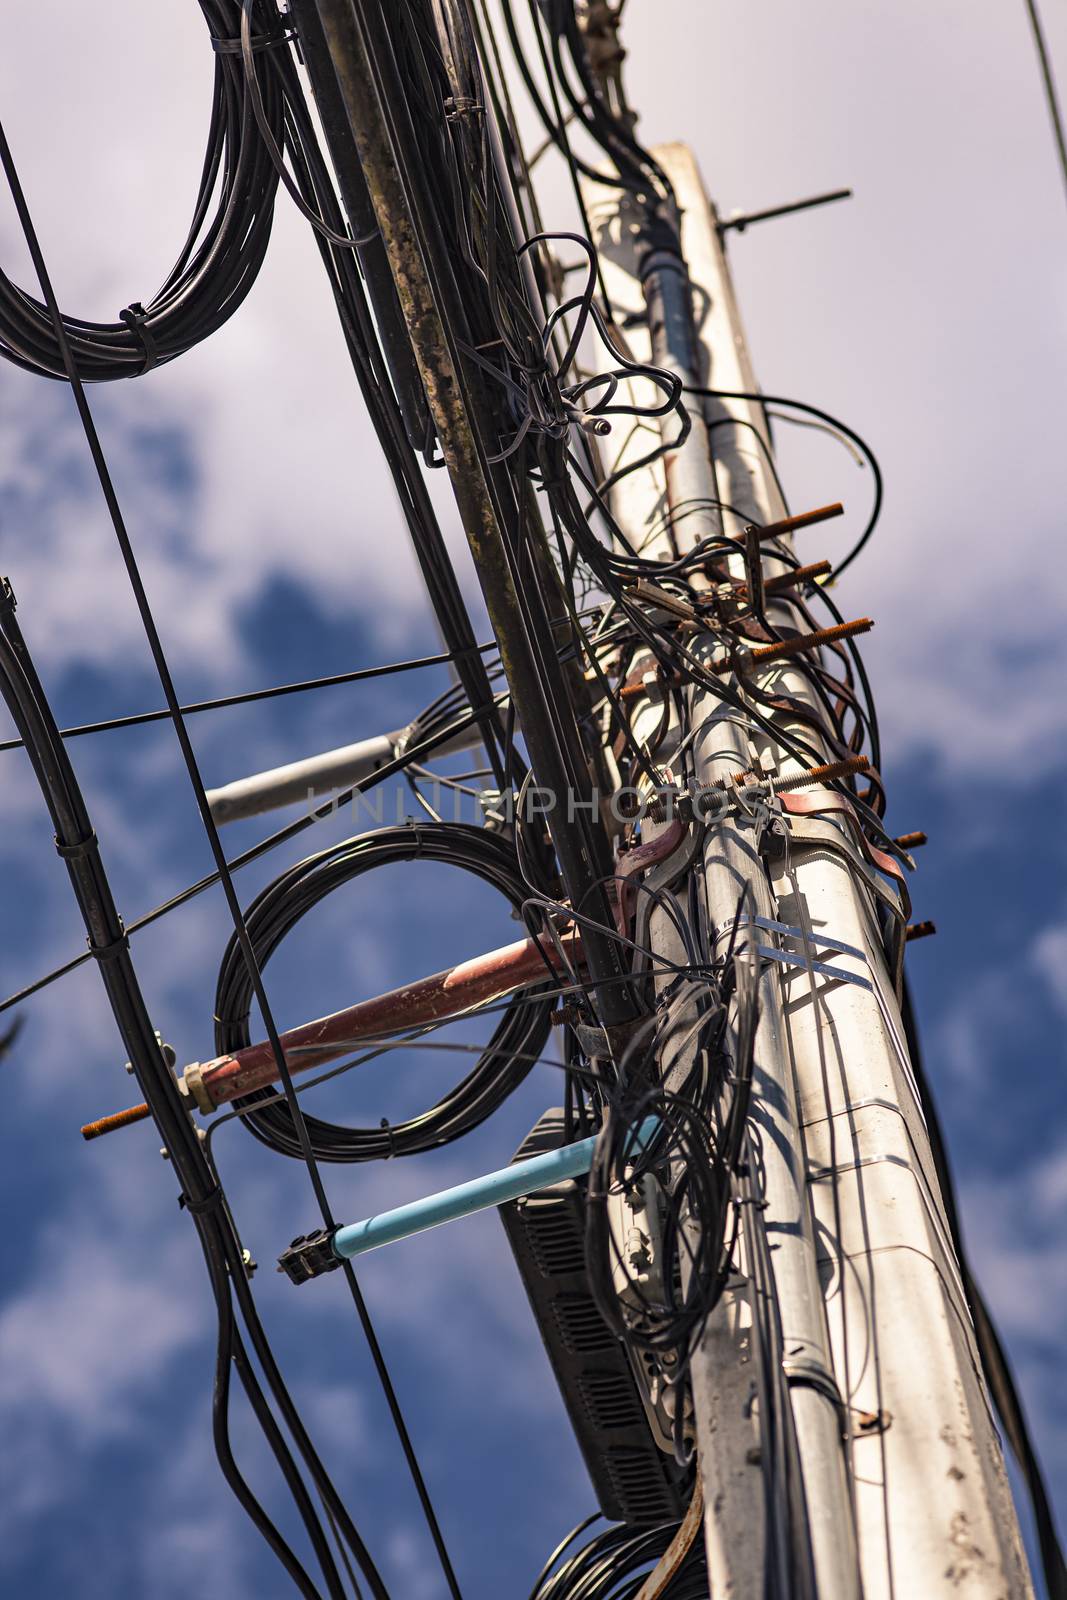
(317, 775)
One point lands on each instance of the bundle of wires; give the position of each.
(222, 253)
(701, 1050)
(246, 1353)
(614, 1564)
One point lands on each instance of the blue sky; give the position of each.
(929, 312)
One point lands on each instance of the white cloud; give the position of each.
(420, 1577)
(1015, 1229)
(1048, 955)
(1016, 1225)
(284, 477)
(80, 1346)
(961, 1034)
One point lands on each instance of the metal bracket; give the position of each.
(868, 1424)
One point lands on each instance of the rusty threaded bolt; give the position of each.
(790, 580)
(825, 774)
(803, 519)
(783, 648)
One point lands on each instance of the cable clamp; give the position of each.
(191, 1084)
(309, 1256)
(462, 105)
(594, 1041)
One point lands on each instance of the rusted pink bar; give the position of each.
(443, 995)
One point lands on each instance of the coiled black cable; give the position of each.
(223, 250)
(517, 1041)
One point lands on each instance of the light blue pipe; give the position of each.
(522, 1177)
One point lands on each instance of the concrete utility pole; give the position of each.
(903, 1473)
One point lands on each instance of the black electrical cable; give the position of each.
(281, 836)
(524, 397)
(615, 1562)
(361, 331)
(518, 1039)
(833, 422)
(1049, 84)
(77, 845)
(252, 696)
(221, 256)
(262, 1348)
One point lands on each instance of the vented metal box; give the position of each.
(635, 1482)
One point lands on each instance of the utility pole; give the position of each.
(903, 1474)
(732, 1233)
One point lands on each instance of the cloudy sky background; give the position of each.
(929, 312)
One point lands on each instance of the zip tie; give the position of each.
(201, 1208)
(259, 41)
(136, 319)
(109, 952)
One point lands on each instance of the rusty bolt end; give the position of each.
(118, 1119)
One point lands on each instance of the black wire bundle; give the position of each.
(704, 1038)
(615, 1562)
(201, 1196)
(517, 1040)
(222, 253)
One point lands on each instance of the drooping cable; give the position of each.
(326, 1488)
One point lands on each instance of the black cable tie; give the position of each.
(136, 319)
(387, 1128)
(110, 952)
(80, 847)
(201, 1208)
